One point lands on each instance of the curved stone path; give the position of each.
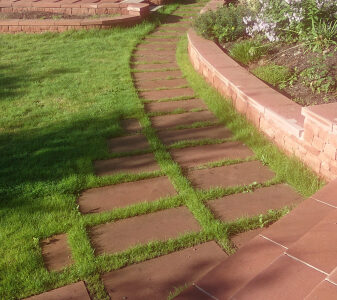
(174, 111)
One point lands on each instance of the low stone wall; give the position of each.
(136, 13)
(309, 133)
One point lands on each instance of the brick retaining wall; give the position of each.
(309, 133)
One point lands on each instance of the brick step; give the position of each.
(295, 258)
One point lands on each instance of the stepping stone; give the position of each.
(156, 278)
(232, 175)
(167, 94)
(152, 52)
(243, 238)
(121, 195)
(194, 156)
(131, 125)
(164, 83)
(161, 40)
(170, 106)
(215, 132)
(75, 291)
(164, 122)
(157, 75)
(166, 34)
(154, 60)
(128, 143)
(254, 203)
(156, 56)
(56, 252)
(128, 164)
(144, 67)
(157, 46)
(173, 29)
(161, 225)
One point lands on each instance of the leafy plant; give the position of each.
(274, 74)
(225, 24)
(248, 51)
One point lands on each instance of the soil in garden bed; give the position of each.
(297, 58)
(45, 15)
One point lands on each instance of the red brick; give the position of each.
(330, 151)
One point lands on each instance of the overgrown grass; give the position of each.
(274, 74)
(248, 51)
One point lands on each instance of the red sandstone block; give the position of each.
(11, 22)
(318, 143)
(330, 151)
(15, 28)
(68, 22)
(36, 22)
(253, 115)
(313, 161)
(332, 139)
(324, 114)
(108, 5)
(46, 4)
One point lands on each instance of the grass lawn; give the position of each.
(61, 97)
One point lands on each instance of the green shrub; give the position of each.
(274, 74)
(225, 24)
(248, 51)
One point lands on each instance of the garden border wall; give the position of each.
(136, 12)
(309, 133)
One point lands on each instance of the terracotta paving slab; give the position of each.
(128, 143)
(160, 40)
(213, 132)
(239, 174)
(192, 293)
(144, 67)
(155, 56)
(162, 225)
(252, 204)
(167, 94)
(327, 194)
(156, 278)
(128, 164)
(163, 83)
(243, 238)
(164, 122)
(286, 278)
(75, 291)
(157, 46)
(56, 252)
(154, 60)
(194, 156)
(325, 290)
(300, 220)
(164, 52)
(318, 247)
(170, 106)
(233, 273)
(131, 125)
(157, 75)
(166, 34)
(124, 194)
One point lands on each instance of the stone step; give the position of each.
(157, 75)
(151, 67)
(171, 106)
(163, 84)
(167, 94)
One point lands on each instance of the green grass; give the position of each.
(62, 97)
(273, 74)
(248, 51)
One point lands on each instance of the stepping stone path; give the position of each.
(176, 115)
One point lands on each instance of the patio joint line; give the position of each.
(305, 263)
(323, 202)
(270, 240)
(205, 292)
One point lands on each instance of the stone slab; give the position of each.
(194, 156)
(167, 94)
(327, 194)
(325, 290)
(299, 221)
(145, 67)
(318, 247)
(56, 252)
(254, 203)
(232, 274)
(130, 125)
(164, 122)
(163, 40)
(162, 225)
(128, 143)
(157, 75)
(170, 106)
(239, 174)
(192, 292)
(156, 278)
(121, 195)
(75, 291)
(243, 238)
(213, 132)
(285, 278)
(165, 52)
(129, 164)
(162, 83)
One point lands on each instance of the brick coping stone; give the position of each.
(306, 132)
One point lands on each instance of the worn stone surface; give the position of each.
(56, 252)
(164, 122)
(194, 156)
(158, 67)
(75, 291)
(128, 143)
(130, 125)
(162, 225)
(156, 278)
(167, 94)
(243, 238)
(170, 106)
(239, 174)
(258, 202)
(120, 195)
(212, 132)
(157, 75)
(161, 84)
(128, 164)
